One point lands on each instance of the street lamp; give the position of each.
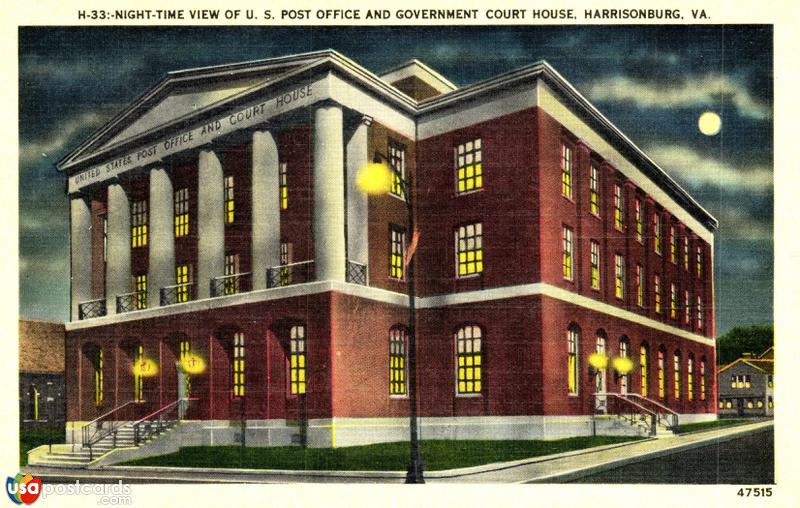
(376, 179)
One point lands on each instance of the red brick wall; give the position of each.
(236, 162)
(184, 176)
(294, 148)
(41, 346)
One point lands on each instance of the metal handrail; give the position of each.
(670, 419)
(651, 401)
(128, 302)
(643, 411)
(137, 431)
(92, 308)
(177, 293)
(289, 274)
(239, 282)
(101, 432)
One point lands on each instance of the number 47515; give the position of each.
(755, 492)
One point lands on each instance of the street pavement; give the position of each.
(559, 468)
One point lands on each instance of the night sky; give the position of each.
(651, 82)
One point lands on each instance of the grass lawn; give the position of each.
(30, 439)
(689, 427)
(437, 455)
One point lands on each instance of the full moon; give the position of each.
(709, 123)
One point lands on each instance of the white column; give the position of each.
(161, 254)
(329, 243)
(118, 264)
(266, 234)
(357, 225)
(81, 253)
(210, 225)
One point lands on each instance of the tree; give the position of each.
(744, 339)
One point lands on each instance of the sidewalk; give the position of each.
(550, 469)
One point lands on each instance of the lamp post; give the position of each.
(376, 179)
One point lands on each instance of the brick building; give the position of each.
(42, 400)
(217, 217)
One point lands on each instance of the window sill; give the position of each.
(469, 276)
(571, 200)
(398, 397)
(468, 192)
(469, 395)
(596, 216)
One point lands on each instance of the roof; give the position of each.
(41, 346)
(762, 365)
(768, 354)
(274, 72)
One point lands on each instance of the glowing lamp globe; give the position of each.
(193, 364)
(374, 179)
(623, 365)
(598, 361)
(145, 368)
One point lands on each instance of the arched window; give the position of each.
(573, 338)
(397, 360)
(703, 378)
(643, 368)
(662, 353)
(469, 363)
(97, 364)
(623, 353)
(238, 364)
(690, 377)
(600, 374)
(185, 357)
(677, 374)
(297, 360)
(138, 375)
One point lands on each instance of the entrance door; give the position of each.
(183, 389)
(600, 378)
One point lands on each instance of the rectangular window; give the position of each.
(643, 369)
(397, 246)
(690, 379)
(700, 313)
(182, 274)
(397, 361)
(770, 404)
(661, 376)
(747, 381)
(769, 381)
(469, 250)
(594, 260)
(673, 301)
(639, 286)
(619, 276)
(397, 161)
(285, 259)
(686, 253)
(566, 261)
(702, 380)
(594, 191)
(566, 171)
(231, 286)
(138, 377)
(619, 204)
(657, 233)
(469, 361)
(677, 374)
(638, 216)
(186, 359)
(469, 166)
(687, 307)
(105, 238)
(238, 364)
(297, 360)
(181, 212)
(572, 360)
(139, 224)
(699, 261)
(283, 185)
(657, 293)
(98, 377)
(140, 281)
(229, 203)
(673, 246)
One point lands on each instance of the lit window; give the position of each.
(639, 287)
(728, 404)
(769, 381)
(229, 199)
(643, 369)
(687, 307)
(770, 404)
(619, 276)
(138, 378)
(185, 355)
(600, 374)
(594, 260)
(686, 253)
(702, 379)
(469, 166)
(139, 224)
(573, 337)
(238, 364)
(699, 261)
(397, 240)
(657, 233)
(733, 382)
(181, 212)
(760, 404)
(105, 238)
(657, 293)
(661, 374)
(97, 362)
(283, 185)
(749, 403)
(594, 191)
(397, 361)
(182, 281)
(638, 217)
(469, 249)
(619, 221)
(231, 282)
(468, 353)
(700, 313)
(747, 381)
(297, 360)
(673, 246)
(567, 254)
(720, 404)
(141, 291)
(623, 378)
(673, 301)
(285, 259)
(677, 373)
(397, 161)
(690, 378)
(566, 171)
